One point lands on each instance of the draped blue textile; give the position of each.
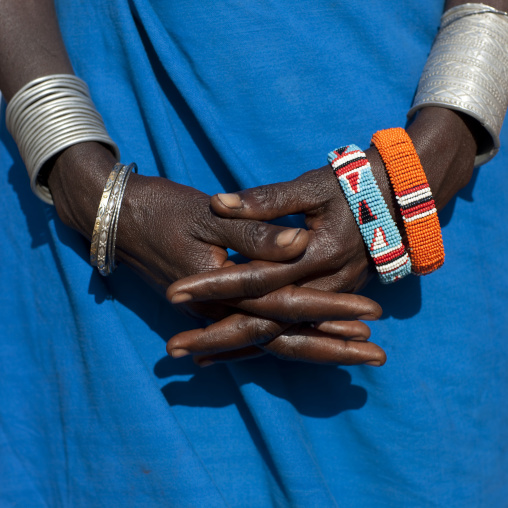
(222, 96)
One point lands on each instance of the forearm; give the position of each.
(466, 131)
(446, 141)
(30, 44)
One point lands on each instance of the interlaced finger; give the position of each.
(268, 202)
(253, 279)
(314, 346)
(256, 240)
(294, 304)
(304, 343)
(240, 330)
(233, 332)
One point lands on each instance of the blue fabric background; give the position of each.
(222, 96)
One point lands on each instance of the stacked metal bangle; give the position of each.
(378, 229)
(415, 199)
(467, 70)
(102, 249)
(48, 115)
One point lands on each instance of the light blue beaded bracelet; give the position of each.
(378, 229)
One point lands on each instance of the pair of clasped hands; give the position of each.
(294, 299)
(284, 302)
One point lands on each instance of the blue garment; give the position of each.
(221, 96)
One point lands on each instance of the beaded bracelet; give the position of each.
(378, 229)
(414, 197)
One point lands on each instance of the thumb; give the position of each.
(269, 202)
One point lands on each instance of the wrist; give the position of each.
(445, 142)
(76, 181)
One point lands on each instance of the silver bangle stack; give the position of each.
(467, 70)
(48, 115)
(102, 249)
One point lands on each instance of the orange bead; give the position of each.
(414, 197)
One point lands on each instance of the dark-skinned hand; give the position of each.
(167, 231)
(336, 258)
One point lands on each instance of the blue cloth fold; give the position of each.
(222, 96)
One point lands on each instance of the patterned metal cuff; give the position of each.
(48, 115)
(378, 229)
(467, 70)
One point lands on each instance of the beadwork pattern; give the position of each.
(378, 229)
(414, 197)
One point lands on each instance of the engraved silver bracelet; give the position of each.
(48, 115)
(467, 70)
(102, 248)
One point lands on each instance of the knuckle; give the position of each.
(264, 196)
(320, 185)
(293, 311)
(245, 235)
(203, 225)
(203, 260)
(258, 330)
(325, 249)
(254, 283)
(288, 347)
(254, 235)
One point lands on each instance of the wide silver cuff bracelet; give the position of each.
(467, 70)
(48, 115)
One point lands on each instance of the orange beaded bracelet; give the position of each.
(414, 197)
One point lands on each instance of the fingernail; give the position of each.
(181, 298)
(179, 352)
(365, 317)
(230, 200)
(374, 363)
(286, 238)
(206, 363)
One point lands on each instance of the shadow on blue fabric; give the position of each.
(309, 389)
(33, 209)
(402, 300)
